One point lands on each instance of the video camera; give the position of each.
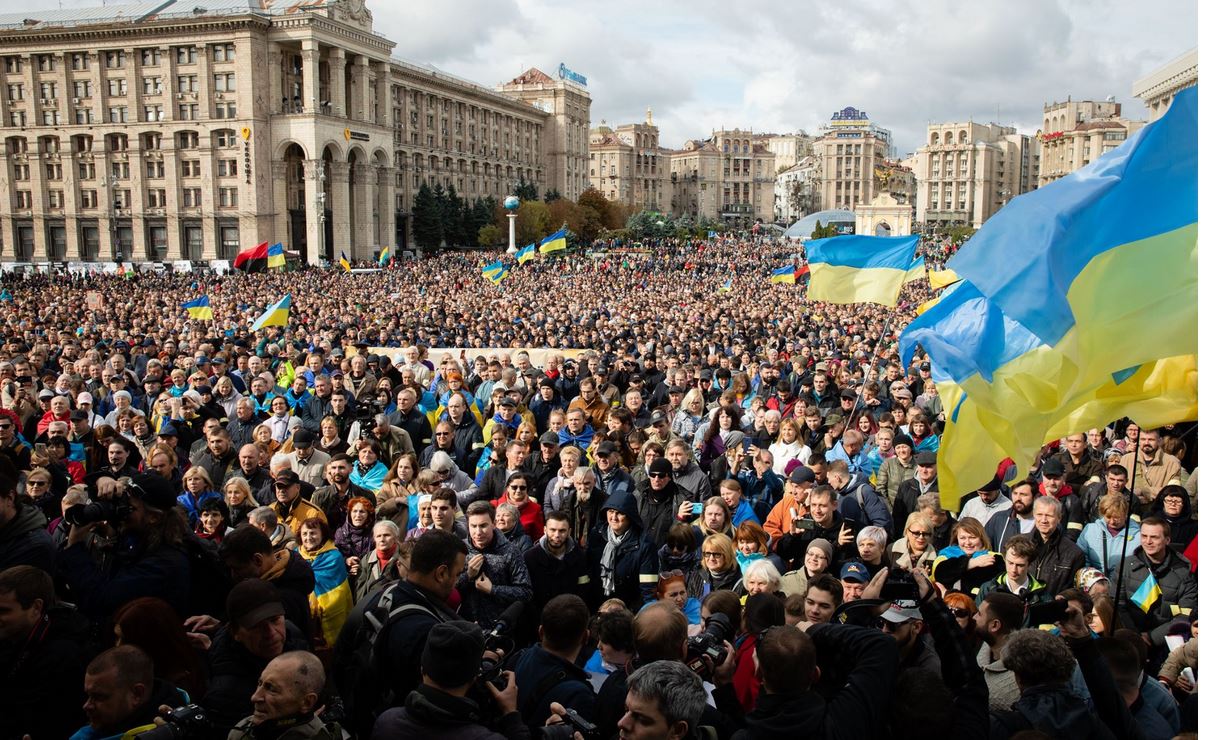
(706, 650)
(571, 722)
(499, 640)
(182, 722)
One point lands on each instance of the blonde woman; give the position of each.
(690, 417)
(789, 446)
(915, 548)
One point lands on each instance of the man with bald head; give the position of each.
(287, 695)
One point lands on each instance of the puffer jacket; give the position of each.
(505, 568)
(1178, 591)
(635, 565)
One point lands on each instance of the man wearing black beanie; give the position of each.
(451, 661)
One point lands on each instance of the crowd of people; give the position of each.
(649, 495)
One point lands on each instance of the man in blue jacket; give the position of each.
(547, 672)
(857, 500)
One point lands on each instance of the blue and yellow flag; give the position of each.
(276, 255)
(526, 254)
(199, 308)
(916, 270)
(495, 272)
(343, 261)
(384, 258)
(1148, 593)
(276, 315)
(860, 269)
(785, 274)
(554, 242)
(1013, 376)
(727, 287)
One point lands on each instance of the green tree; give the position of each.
(489, 236)
(427, 222)
(453, 208)
(533, 223)
(822, 231)
(552, 194)
(525, 190)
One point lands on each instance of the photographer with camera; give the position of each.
(148, 558)
(122, 695)
(548, 671)
(440, 707)
(286, 701)
(823, 521)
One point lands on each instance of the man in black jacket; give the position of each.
(248, 552)
(546, 672)
(123, 695)
(42, 651)
(659, 499)
(1057, 558)
(256, 633)
(827, 524)
(556, 565)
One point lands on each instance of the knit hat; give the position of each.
(903, 439)
(823, 545)
(661, 466)
(453, 654)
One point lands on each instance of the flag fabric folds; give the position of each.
(276, 315)
(785, 274)
(554, 242)
(802, 271)
(1075, 306)
(860, 269)
(199, 308)
(384, 258)
(276, 256)
(495, 272)
(526, 254)
(343, 261)
(1148, 593)
(254, 259)
(939, 279)
(916, 270)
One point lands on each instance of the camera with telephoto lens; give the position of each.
(183, 722)
(709, 644)
(571, 722)
(112, 510)
(499, 640)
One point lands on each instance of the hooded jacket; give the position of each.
(871, 510)
(635, 566)
(659, 509)
(25, 541)
(436, 715)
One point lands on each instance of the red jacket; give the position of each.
(531, 516)
(746, 684)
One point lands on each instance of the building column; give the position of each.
(340, 215)
(384, 106)
(310, 59)
(314, 225)
(337, 62)
(385, 204)
(280, 203)
(358, 101)
(275, 72)
(362, 202)
(71, 206)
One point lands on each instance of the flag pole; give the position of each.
(1126, 537)
(874, 356)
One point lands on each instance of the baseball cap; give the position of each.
(1053, 468)
(607, 448)
(902, 611)
(83, 398)
(153, 490)
(45, 393)
(168, 429)
(848, 393)
(926, 457)
(288, 477)
(507, 401)
(303, 438)
(802, 475)
(550, 438)
(856, 572)
(252, 601)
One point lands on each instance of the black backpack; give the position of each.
(360, 673)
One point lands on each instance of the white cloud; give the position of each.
(780, 66)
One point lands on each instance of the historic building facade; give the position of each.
(189, 133)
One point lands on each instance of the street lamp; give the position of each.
(322, 212)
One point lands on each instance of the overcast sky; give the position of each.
(775, 65)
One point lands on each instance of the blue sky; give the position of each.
(782, 66)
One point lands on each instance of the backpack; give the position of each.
(209, 578)
(363, 679)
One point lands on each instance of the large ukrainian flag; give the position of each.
(860, 269)
(916, 270)
(554, 242)
(1077, 307)
(526, 254)
(495, 272)
(199, 308)
(785, 274)
(276, 255)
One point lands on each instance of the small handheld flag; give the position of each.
(276, 256)
(785, 274)
(199, 308)
(495, 272)
(343, 261)
(860, 269)
(727, 287)
(554, 242)
(276, 315)
(384, 257)
(526, 254)
(1148, 593)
